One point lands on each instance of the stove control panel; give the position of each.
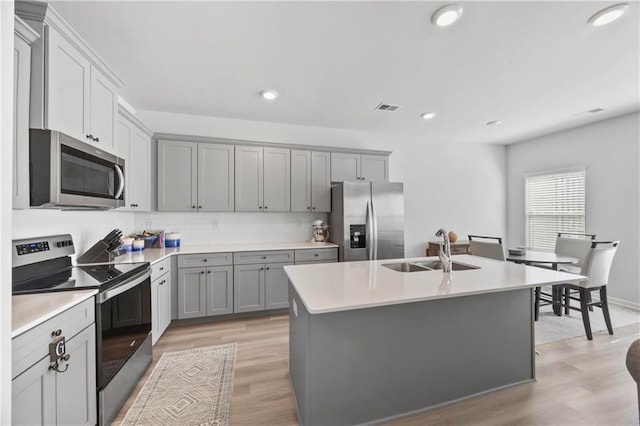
(32, 250)
(32, 247)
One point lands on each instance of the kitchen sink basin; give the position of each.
(430, 265)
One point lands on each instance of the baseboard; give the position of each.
(623, 302)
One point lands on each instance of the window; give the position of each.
(554, 202)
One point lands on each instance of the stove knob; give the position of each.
(58, 244)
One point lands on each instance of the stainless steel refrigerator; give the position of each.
(367, 220)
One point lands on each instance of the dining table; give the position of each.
(544, 259)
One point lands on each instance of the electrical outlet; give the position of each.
(148, 224)
(214, 224)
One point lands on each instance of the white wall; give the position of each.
(457, 186)
(6, 121)
(86, 227)
(610, 151)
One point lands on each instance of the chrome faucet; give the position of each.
(445, 250)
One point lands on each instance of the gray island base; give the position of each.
(378, 363)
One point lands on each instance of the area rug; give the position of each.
(191, 387)
(551, 328)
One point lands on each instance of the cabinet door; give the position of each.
(277, 180)
(104, 111)
(375, 168)
(249, 179)
(164, 303)
(33, 396)
(76, 387)
(139, 167)
(216, 173)
(276, 286)
(155, 310)
(345, 167)
(300, 181)
(192, 293)
(21, 84)
(177, 176)
(68, 92)
(220, 290)
(122, 149)
(321, 181)
(248, 288)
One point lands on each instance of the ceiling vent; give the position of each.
(387, 107)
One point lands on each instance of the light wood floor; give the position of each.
(578, 382)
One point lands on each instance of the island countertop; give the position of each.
(333, 287)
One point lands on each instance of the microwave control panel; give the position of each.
(358, 236)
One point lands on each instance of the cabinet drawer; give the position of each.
(317, 254)
(209, 259)
(160, 268)
(33, 345)
(460, 250)
(250, 257)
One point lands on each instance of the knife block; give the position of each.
(98, 253)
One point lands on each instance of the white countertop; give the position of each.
(30, 310)
(155, 255)
(333, 287)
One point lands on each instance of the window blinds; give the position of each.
(554, 203)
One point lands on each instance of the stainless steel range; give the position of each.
(123, 310)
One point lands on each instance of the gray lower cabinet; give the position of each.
(260, 287)
(41, 396)
(160, 305)
(205, 291)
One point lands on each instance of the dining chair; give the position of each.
(490, 247)
(572, 245)
(597, 267)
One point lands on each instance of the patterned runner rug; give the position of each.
(191, 387)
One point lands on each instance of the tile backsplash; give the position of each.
(232, 227)
(86, 227)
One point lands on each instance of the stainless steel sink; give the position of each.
(430, 265)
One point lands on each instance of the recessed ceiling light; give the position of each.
(446, 15)
(608, 14)
(269, 94)
(494, 123)
(428, 115)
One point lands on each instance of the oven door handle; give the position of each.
(134, 281)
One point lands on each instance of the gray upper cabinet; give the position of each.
(177, 176)
(375, 168)
(350, 167)
(216, 177)
(310, 181)
(23, 37)
(72, 89)
(195, 176)
(249, 178)
(263, 179)
(133, 143)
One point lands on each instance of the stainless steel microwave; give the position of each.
(67, 173)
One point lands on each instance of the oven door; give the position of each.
(123, 321)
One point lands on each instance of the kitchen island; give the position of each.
(370, 344)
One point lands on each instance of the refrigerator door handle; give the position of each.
(374, 227)
(369, 230)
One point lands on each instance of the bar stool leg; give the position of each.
(584, 309)
(605, 308)
(536, 307)
(567, 300)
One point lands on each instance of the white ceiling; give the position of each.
(532, 65)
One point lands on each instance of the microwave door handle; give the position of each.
(121, 179)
